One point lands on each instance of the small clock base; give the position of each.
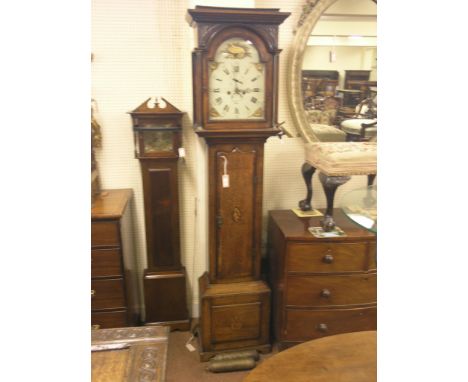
(234, 316)
(165, 299)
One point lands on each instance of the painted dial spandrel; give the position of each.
(236, 82)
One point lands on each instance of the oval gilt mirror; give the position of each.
(333, 71)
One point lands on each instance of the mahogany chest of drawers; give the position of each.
(320, 287)
(113, 292)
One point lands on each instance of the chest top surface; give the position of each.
(110, 204)
(296, 228)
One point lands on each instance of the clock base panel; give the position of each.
(165, 301)
(234, 316)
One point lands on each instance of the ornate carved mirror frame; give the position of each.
(311, 13)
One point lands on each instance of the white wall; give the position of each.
(143, 48)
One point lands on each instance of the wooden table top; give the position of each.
(350, 357)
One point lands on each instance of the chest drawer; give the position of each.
(105, 262)
(373, 256)
(101, 320)
(105, 233)
(326, 257)
(107, 294)
(323, 291)
(303, 325)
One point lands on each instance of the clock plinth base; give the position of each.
(234, 316)
(165, 301)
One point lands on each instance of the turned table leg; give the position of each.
(330, 184)
(307, 173)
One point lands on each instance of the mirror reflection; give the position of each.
(339, 73)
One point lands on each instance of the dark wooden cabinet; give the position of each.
(320, 287)
(113, 288)
(356, 85)
(235, 91)
(355, 75)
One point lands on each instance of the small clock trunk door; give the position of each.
(235, 214)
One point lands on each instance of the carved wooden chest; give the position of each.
(129, 354)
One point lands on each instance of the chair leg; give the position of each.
(370, 179)
(330, 184)
(307, 173)
(353, 138)
(369, 200)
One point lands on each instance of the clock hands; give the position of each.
(245, 91)
(237, 91)
(248, 90)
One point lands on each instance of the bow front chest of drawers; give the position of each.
(320, 286)
(113, 292)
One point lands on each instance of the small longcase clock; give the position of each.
(157, 126)
(235, 95)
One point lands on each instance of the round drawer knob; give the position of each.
(93, 292)
(322, 328)
(325, 293)
(328, 258)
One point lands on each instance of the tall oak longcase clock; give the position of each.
(235, 95)
(157, 126)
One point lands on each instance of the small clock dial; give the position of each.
(156, 141)
(236, 82)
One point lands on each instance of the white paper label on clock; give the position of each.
(225, 181)
(181, 152)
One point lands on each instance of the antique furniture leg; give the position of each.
(336, 161)
(330, 184)
(307, 173)
(369, 198)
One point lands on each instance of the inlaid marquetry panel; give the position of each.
(236, 322)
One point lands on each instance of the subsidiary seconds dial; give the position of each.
(236, 82)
